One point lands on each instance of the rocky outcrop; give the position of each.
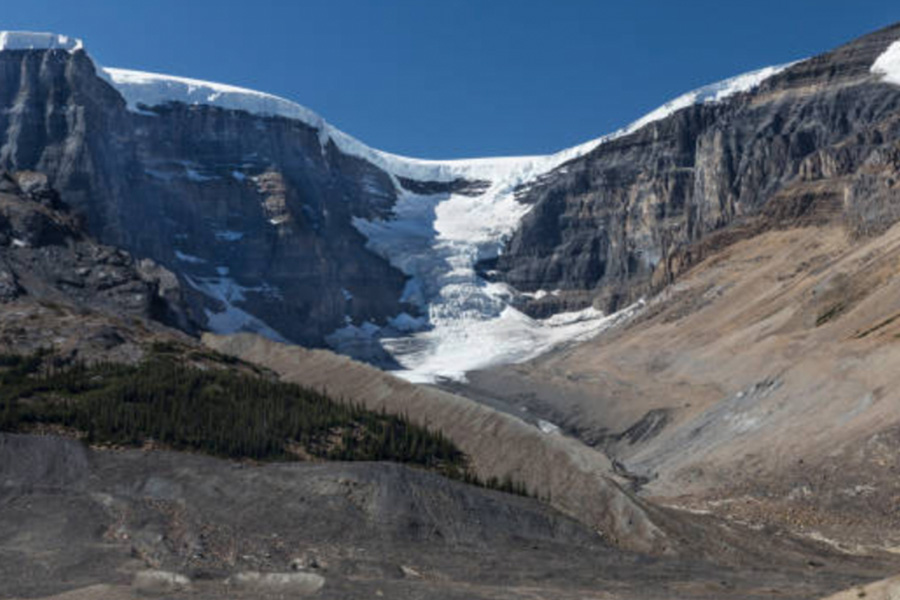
(253, 213)
(46, 256)
(815, 143)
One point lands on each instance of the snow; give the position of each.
(232, 319)
(154, 89)
(30, 40)
(540, 294)
(169, 170)
(547, 427)
(888, 64)
(468, 341)
(189, 258)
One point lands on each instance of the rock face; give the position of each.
(46, 257)
(816, 142)
(247, 210)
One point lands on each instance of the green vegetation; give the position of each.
(210, 410)
(222, 412)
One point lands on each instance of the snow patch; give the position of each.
(715, 92)
(31, 40)
(547, 427)
(232, 319)
(540, 294)
(888, 64)
(189, 258)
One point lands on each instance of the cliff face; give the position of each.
(60, 288)
(815, 143)
(248, 210)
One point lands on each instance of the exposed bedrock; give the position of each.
(252, 211)
(815, 143)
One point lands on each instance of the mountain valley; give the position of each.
(666, 360)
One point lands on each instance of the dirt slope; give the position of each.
(79, 523)
(578, 480)
(763, 385)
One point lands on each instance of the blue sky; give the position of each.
(457, 78)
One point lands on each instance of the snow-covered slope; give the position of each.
(888, 64)
(436, 240)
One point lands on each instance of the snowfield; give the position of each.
(888, 64)
(467, 322)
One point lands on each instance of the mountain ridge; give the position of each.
(296, 230)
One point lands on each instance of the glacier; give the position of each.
(436, 240)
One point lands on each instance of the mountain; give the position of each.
(278, 223)
(815, 142)
(759, 383)
(700, 312)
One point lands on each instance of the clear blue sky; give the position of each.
(455, 78)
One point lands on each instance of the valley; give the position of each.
(243, 354)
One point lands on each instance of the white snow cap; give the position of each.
(153, 89)
(30, 40)
(888, 64)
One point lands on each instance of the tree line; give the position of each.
(223, 412)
